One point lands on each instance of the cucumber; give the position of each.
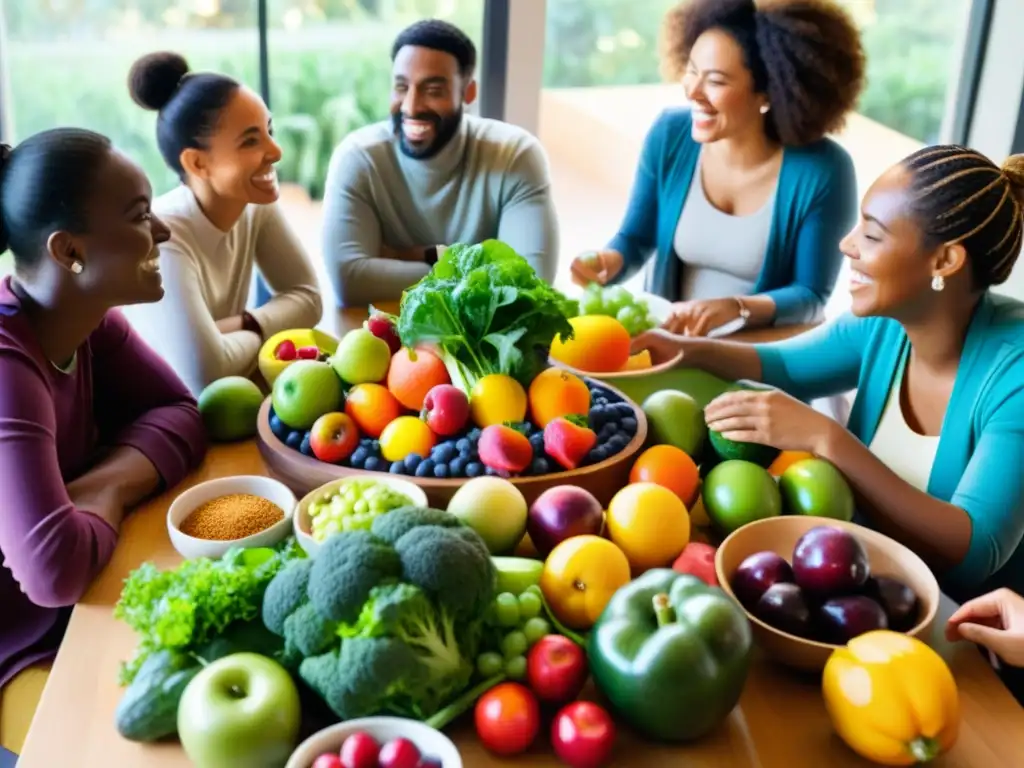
(148, 711)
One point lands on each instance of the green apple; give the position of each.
(816, 487)
(675, 418)
(305, 391)
(241, 711)
(229, 407)
(739, 492)
(361, 357)
(494, 508)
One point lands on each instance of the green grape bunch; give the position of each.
(615, 301)
(353, 507)
(517, 624)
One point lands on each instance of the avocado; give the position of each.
(755, 453)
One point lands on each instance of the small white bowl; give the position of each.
(302, 524)
(430, 742)
(273, 491)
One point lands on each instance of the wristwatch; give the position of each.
(249, 324)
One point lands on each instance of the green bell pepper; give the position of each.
(671, 654)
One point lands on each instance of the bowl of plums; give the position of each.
(811, 584)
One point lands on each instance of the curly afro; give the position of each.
(805, 55)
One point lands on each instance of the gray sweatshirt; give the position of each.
(491, 181)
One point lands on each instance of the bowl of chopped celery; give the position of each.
(350, 504)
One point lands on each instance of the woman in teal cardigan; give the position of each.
(740, 195)
(935, 441)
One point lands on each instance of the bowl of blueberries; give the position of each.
(618, 425)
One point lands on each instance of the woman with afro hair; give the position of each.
(740, 196)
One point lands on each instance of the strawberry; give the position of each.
(382, 325)
(286, 350)
(308, 353)
(567, 441)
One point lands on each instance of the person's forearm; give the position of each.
(939, 532)
(230, 324)
(127, 474)
(730, 360)
(762, 310)
(371, 279)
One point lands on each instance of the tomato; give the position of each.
(360, 750)
(507, 719)
(580, 576)
(583, 735)
(328, 760)
(556, 669)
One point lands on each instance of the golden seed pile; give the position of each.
(233, 516)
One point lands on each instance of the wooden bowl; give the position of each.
(886, 557)
(303, 473)
(659, 365)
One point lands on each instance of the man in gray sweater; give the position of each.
(432, 176)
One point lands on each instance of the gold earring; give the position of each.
(938, 283)
(77, 267)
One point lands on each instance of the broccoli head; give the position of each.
(393, 525)
(285, 593)
(348, 566)
(309, 632)
(452, 570)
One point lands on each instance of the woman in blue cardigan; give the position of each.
(935, 441)
(741, 196)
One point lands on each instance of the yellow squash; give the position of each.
(892, 699)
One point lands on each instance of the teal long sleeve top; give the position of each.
(816, 205)
(979, 462)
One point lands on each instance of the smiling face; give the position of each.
(428, 94)
(892, 266)
(720, 88)
(119, 249)
(238, 162)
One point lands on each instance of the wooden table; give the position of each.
(780, 721)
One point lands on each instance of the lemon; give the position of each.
(497, 399)
(404, 436)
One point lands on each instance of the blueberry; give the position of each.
(628, 425)
(462, 445)
(443, 452)
(622, 410)
(491, 471)
(537, 443)
(359, 457)
(474, 434)
(539, 466)
(385, 465)
(616, 444)
(278, 427)
(457, 466)
(425, 468)
(607, 432)
(598, 416)
(294, 439)
(373, 464)
(412, 461)
(527, 428)
(375, 447)
(474, 469)
(367, 443)
(398, 468)
(598, 393)
(600, 453)
(441, 470)
(304, 447)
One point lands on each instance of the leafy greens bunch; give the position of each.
(484, 310)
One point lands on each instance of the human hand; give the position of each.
(769, 417)
(698, 318)
(596, 267)
(995, 621)
(662, 344)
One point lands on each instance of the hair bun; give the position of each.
(154, 78)
(1013, 170)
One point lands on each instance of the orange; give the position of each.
(649, 524)
(785, 460)
(497, 399)
(409, 380)
(579, 578)
(372, 407)
(404, 436)
(556, 392)
(600, 344)
(638, 362)
(669, 467)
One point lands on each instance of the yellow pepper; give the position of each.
(892, 699)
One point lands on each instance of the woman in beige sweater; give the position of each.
(216, 135)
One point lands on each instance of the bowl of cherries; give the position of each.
(377, 742)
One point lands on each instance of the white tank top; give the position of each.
(906, 452)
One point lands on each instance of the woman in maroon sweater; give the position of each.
(91, 420)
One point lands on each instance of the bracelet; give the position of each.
(249, 324)
(744, 310)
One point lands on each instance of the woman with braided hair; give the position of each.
(740, 198)
(935, 442)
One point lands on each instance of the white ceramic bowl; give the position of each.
(273, 491)
(430, 742)
(303, 525)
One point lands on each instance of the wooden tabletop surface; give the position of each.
(780, 721)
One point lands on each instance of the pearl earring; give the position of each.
(77, 267)
(938, 283)
(765, 108)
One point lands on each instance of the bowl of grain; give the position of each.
(245, 511)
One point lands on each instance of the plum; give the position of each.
(783, 607)
(897, 600)
(756, 574)
(843, 618)
(828, 561)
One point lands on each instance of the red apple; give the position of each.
(556, 669)
(383, 327)
(445, 409)
(333, 437)
(286, 350)
(698, 559)
(562, 512)
(583, 735)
